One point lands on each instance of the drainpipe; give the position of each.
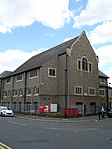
(66, 85)
(25, 91)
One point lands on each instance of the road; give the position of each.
(19, 133)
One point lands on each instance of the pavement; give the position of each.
(82, 119)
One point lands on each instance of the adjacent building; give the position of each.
(66, 75)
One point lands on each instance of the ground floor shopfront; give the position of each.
(85, 104)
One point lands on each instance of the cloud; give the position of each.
(11, 59)
(95, 12)
(105, 60)
(17, 13)
(102, 33)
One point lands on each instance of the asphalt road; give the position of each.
(19, 133)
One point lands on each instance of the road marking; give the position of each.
(17, 123)
(3, 146)
(70, 129)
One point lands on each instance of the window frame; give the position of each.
(18, 80)
(49, 75)
(78, 88)
(89, 91)
(31, 77)
(8, 82)
(102, 95)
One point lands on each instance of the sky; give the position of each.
(28, 27)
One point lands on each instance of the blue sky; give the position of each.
(28, 27)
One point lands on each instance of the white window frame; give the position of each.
(49, 72)
(27, 94)
(80, 87)
(8, 82)
(19, 80)
(100, 94)
(15, 95)
(20, 91)
(33, 76)
(101, 82)
(93, 88)
(79, 60)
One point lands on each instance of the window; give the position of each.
(33, 73)
(90, 67)
(92, 107)
(102, 92)
(8, 80)
(51, 72)
(20, 92)
(102, 80)
(9, 93)
(19, 77)
(78, 64)
(78, 90)
(92, 91)
(84, 64)
(35, 90)
(5, 93)
(110, 93)
(28, 91)
(15, 92)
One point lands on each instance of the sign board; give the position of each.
(53, 107)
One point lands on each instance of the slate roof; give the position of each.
(39, 59)
(101, 74)
(5, 74)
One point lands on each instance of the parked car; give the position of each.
(109, 114)
(5, 111)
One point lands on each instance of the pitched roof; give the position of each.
(101, 74)
(39, 59)
(5, 74)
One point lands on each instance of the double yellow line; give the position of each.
(3, 146)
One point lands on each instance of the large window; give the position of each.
(78, 90)
(33, 73)
(51, 72)
(84, 65)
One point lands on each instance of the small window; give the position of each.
(78, 90)
(102, 80)
(102, 92)
(35, 90)
(15, 92)
(5, 93)
(19, 77)
(28, 91)
(9, 93)
(20, 92)
(78, 64)
(8, 80)
(33, 73)
(51, 72)
(92, 91)
(90, 67)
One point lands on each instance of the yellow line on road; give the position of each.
(3, 146)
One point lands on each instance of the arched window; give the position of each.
(84, 64)
(35, 90)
